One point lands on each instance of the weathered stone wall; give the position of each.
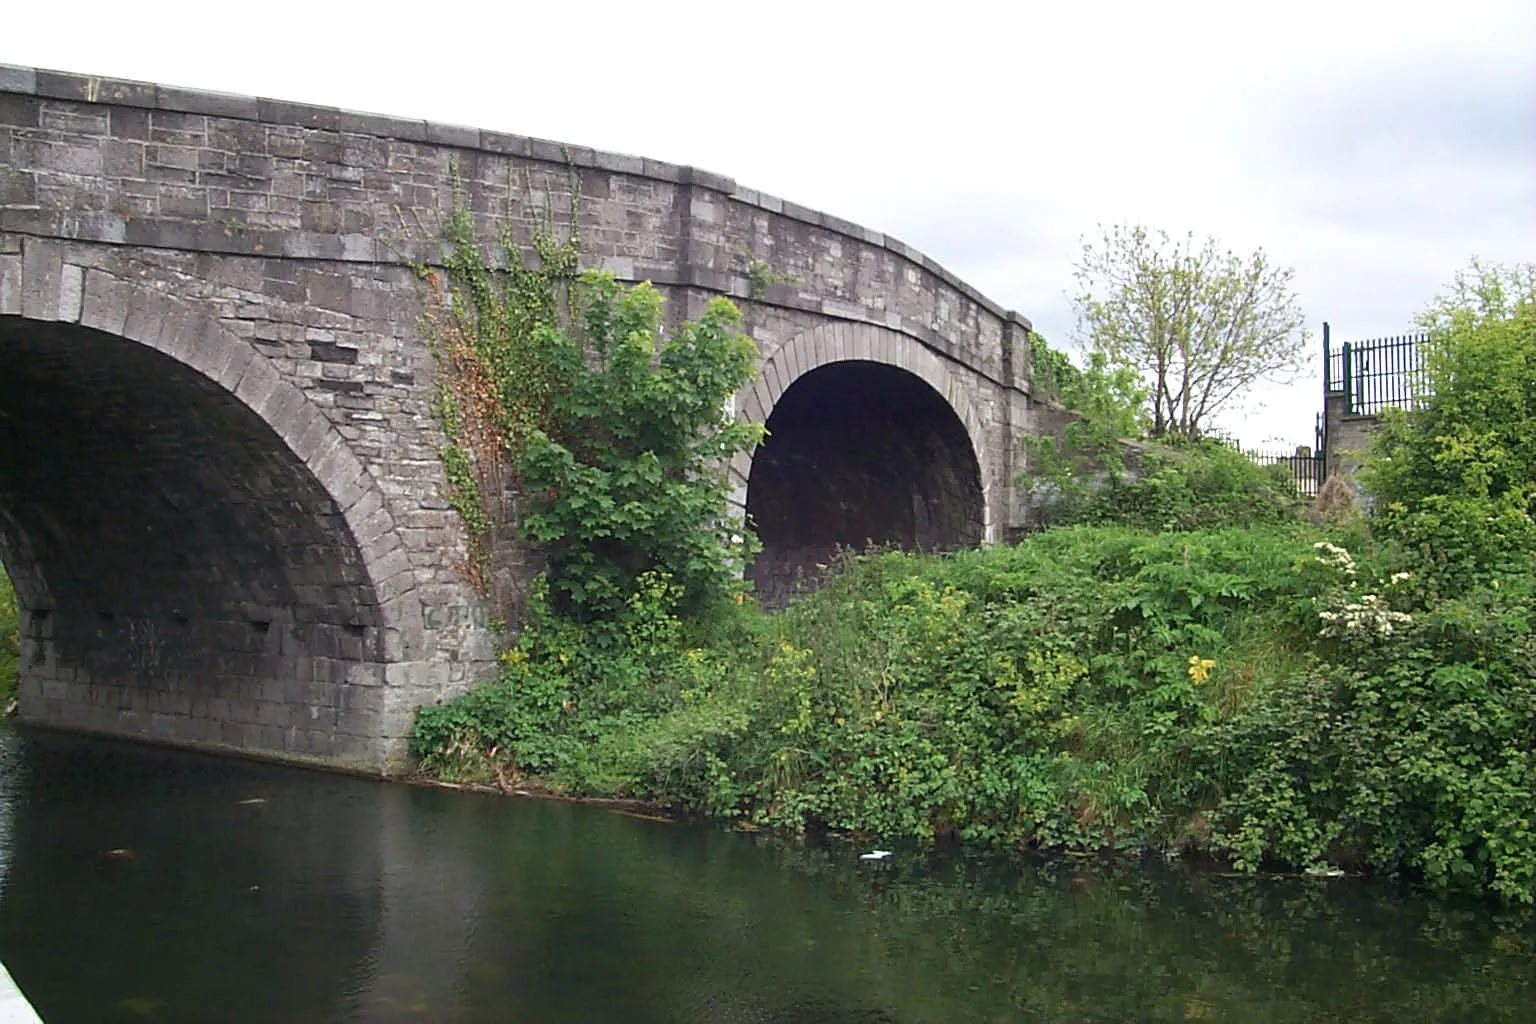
(183, 576)
(322, 190)
(1348, 435)
(203, 553)
(264, 247)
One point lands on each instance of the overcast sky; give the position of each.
(1374, 147)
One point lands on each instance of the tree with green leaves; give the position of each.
(1457, 474)
(629, 475)
(1201, 323)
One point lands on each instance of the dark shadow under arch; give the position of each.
(859, 453)
(183, 575)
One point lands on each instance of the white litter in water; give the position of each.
(875, 855)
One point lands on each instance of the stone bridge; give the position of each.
(220, 497)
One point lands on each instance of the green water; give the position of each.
(142, 884)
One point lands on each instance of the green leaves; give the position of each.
(629, 476)
(1190, 486)
(1457, 475)
(557, 387)
(1201, 323)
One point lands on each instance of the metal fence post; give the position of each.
(1349, 381)
(1327, 361)
(1320, 449)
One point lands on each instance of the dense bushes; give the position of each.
(1191, 486)
(573, 422)
(1456, 477)
(1410, 743)
(1256, 694)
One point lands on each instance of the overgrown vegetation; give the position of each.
(1184, 664)
(1456, 478)
(570, 420)
(1189, 486)
(10, 639)
(1103, 468)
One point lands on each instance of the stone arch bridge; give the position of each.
(220, 499)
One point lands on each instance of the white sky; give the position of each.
(1374, 147)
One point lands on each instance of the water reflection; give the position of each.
(245, 892)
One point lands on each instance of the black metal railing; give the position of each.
(1373, 375)
(1305, 466)
(1306, 470)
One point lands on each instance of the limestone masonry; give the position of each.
(220, 496)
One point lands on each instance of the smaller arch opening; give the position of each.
(859, 454)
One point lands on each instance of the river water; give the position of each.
(142, 884)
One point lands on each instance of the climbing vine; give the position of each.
(573, 425)
(488, 325)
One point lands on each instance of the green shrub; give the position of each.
(558, 386)
(1040, 694)
(1195, 485)
(566, 685)
(1456, 476)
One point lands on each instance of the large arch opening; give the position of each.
(858, 453)
(182, 575)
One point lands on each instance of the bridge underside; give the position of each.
(859, 454)
(182, 575)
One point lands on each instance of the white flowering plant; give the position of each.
(1347, 609)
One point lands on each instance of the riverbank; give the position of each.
(1275, 696)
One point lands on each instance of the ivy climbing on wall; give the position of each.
(575, 428)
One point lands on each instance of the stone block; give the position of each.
(378, 125)
(105, 303)
(17, 79)
(299, 115)
(10, 285)
(257, 383)
(453, 135)
(216, 104)
(41, 269)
